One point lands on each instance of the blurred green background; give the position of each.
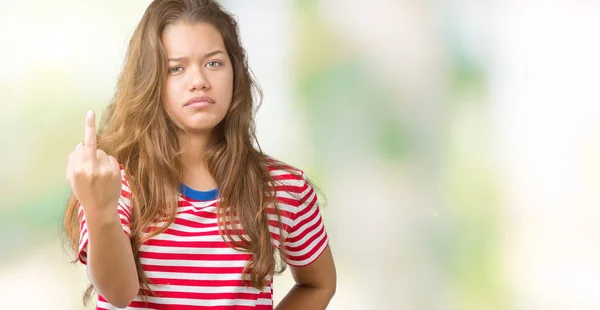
(457, 142)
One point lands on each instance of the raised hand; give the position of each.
(94, 176)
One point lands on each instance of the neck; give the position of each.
(194, 147)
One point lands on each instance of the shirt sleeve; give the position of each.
(124, 210)
(307, 238)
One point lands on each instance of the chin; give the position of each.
(199, 130)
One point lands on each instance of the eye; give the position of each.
(213, 64)
(175, 69)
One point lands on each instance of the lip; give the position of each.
(199, 101)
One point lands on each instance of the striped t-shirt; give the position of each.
(190, 266)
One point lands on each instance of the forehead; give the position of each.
(183, 38)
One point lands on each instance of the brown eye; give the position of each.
(175, 70)
(213, 64)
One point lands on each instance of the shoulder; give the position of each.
(292, 186)
(285, 174)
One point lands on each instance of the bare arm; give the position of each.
(95, 179)
(110, 262)
(315, 285)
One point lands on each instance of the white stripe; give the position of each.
(184, 228)
(305, 192)
(205, 204)
(188, 229)
(196, 218)
(291, 182)
(123, 217)
(284, 219)
(83, 232)
(196, 206)
(105, 305)
(308, 247)
(304, 239)
(209, 238)
(207, 289)
(279, 172)
(195, 276)
(264, 301)
(300, 230)
(193, 263)
(199, 302)
(182, 250)
(277, 230)
(288, 195)
(82, 241)
(311, 258)
(124, 200)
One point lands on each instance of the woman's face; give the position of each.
(199, 86)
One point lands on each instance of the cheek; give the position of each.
(170, 93)
(229, 86)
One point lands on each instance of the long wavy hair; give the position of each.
(136, 130)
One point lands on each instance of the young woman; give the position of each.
(173, 207)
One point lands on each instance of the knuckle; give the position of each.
(78, 170)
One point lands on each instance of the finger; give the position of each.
(89, 141)
(101, 157)
(114, 163)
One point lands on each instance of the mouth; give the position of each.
(199, 101)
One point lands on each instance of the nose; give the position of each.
(198, 79)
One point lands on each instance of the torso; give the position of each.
(191, 266)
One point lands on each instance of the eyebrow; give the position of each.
(213, 53)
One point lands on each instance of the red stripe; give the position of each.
(124, 210)
(210, 296)
(82, 255)
(288, 176)
(308, 254)
(301, 226)
(190, 282)
(175, 232)
(199, 213)
(277, 165)
(307, 242)
(159, 306)
(188, 244)
(189, 223)
(310, 206)
(126, 194)
(282, 212)
(193, 224)
(188, 307)
(308, 195)
(274, 224)
(289, 201)
(290, 188)
(187, 202)
(195, 257)
(196, 270)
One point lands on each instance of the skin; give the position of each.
(198, 66)
(196, 69)
(95, 178)
(315, 285)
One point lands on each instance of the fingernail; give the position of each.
(90, 114)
